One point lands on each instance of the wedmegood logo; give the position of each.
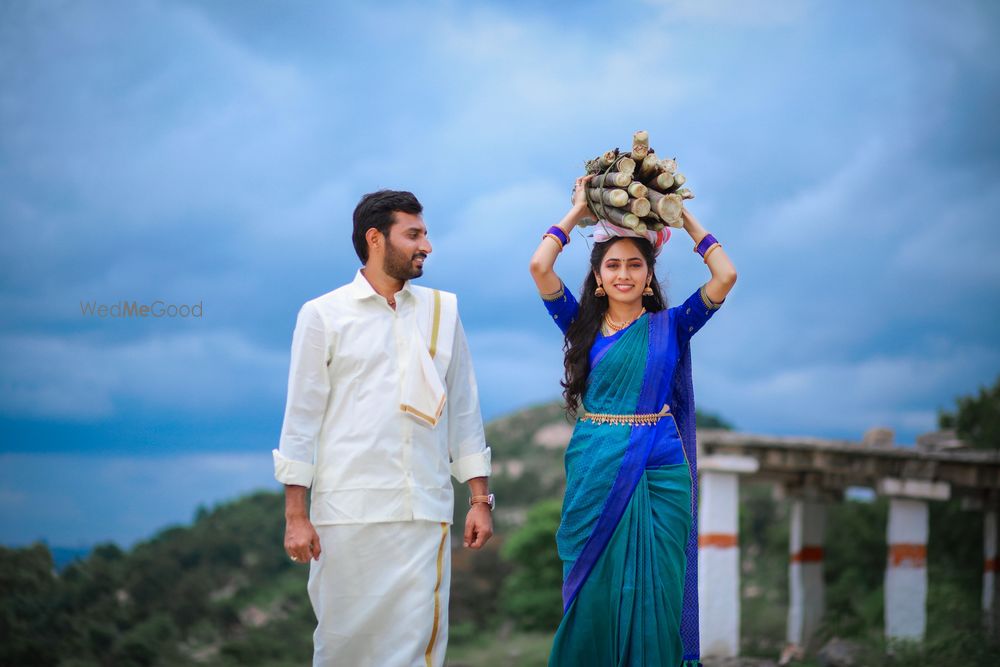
(129, 309)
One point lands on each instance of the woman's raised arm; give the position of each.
(544, 259)
(723, 271)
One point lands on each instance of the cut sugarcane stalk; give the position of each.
(626, 165)
(622, 218)
(639, 206)
(685, 193)
(650, 165)
(679, 179)
(601, 162)
(669, 166)
(617, 216)
(661, 182)
(640, 145)
(610, 197)
(637, 189)
(652, 222)
(667, 207)
(612, 178)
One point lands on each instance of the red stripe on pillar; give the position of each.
(717, 540)
(907, 555)
(990, 565)
(808, 555)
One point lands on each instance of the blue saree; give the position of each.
(628, 535)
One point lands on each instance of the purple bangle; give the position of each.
(705, 244)
(559, 234)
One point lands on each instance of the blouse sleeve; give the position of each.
(693, 313)
(562, 306)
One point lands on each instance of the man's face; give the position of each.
(406, 247)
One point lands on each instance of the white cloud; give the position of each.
(831, 211)
(82, 378)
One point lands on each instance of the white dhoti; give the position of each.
(380, 594)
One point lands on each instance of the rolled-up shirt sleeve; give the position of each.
(470, 456)
(694, 313)
(308, 391)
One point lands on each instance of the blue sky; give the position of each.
(213, 152)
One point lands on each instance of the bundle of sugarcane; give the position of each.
(637, 189)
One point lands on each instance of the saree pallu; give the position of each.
(625, 535)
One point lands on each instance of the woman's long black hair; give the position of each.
(583, 331)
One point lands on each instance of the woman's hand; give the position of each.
(580, 208)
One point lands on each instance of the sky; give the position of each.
(212, 153)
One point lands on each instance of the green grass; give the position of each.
(490, 650)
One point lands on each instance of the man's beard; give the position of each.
(398, 265)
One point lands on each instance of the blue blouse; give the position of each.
(684, 321)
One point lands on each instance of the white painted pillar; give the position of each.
(990, 568)
(906, 567)
(719, 553)
(807, 594)
(906, 571)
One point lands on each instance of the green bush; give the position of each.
(532, 595)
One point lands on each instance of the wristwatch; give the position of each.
(488, 499)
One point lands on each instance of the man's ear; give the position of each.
(374, 238)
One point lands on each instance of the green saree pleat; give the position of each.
(628, 611)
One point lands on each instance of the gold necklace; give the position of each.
(615, 326)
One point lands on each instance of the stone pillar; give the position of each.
(990, 569)
(719, 553)
(906, 573)
(906, 569)
(806, 592)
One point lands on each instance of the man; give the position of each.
(382, 405)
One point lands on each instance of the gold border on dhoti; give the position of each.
(437, 596)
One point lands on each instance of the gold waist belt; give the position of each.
(632, 420)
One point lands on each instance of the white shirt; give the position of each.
(344, 434)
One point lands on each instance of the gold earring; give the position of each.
(599, 292)
(649, 290)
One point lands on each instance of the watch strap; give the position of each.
(486, 500)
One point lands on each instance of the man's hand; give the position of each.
(478, 526)
(301, 539)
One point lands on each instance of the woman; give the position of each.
(628, 535)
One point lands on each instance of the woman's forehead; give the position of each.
(623, 251)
